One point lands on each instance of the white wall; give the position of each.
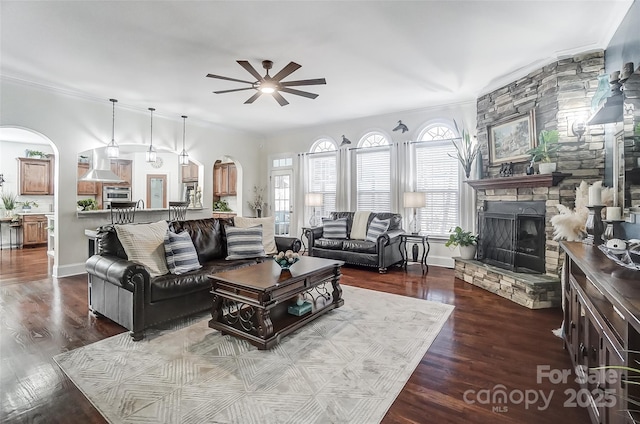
(75, 124)
(301, 140)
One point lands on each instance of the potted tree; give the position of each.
(545, 150)
(9, 203)
(466, 150)
(465, 240)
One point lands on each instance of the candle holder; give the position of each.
(594, 225)
(609, 230)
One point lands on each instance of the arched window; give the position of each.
(323, 175)
(437, 174)
(373, 173)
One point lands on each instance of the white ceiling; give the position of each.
(377, 57)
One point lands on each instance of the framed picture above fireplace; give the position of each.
(510, 139)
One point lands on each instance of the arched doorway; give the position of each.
(18, 142)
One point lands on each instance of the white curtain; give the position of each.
(300, 217)
(343, 190)
(404, 180)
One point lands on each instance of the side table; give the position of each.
(415, 238)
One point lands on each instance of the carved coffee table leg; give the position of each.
(216, 309)
(265, 326)
(337, 290)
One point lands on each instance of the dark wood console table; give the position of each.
(252, 302)
(602, 329)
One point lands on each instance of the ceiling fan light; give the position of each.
(267, 88)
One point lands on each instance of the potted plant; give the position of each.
(221, 206)
(546, 149)
(258, 200)
(465, 240)
(87, 204)
(26, 205)
(9, 203)
(466, 150)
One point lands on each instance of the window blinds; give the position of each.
(373, 169)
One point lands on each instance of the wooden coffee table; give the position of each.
(251, 302)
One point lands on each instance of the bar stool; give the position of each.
(123, 212)
(178, 211)
(15, 226)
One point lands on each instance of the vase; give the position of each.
(259, 213)
(601, 93)
(467, 252)
(547, 167)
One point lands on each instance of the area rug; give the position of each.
(347, 366)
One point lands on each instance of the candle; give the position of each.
(595, 196)
(614, 214)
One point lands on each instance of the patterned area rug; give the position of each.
(347, 366)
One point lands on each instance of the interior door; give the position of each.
(282, 202)
(156, 191)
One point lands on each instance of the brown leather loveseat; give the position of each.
(123, 291)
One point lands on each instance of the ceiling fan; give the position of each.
(271, 84)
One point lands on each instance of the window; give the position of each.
(437, 174)
(323, 175)
(373, 173)
(282, 162)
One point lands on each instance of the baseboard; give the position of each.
(68, 270)
(442, 261)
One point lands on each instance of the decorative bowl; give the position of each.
(284, 263)
(286, 259)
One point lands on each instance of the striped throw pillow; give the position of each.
(180, 253)
(334, 228)
(243, 243)
(377, 227)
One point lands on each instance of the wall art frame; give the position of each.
(510, 139)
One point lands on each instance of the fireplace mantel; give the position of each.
(519, 181)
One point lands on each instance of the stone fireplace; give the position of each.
(558, 93)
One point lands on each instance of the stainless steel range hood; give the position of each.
(101, 170)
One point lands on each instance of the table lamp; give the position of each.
(314, 200)
(414, 199)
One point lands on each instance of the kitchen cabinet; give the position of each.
(87, 188)
(34, 229)
(190, 173)
(225, 176)
(602, 331)
(122, 168)
(36, 176)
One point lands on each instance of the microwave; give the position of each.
(115, 194)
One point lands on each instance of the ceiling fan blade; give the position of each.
(279, 98)
(316, 81)
(286, 71)
(299, 93)
(235, 89)
(246, 65)
(253, 98)
(228, 79)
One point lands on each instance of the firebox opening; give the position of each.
(512, 235)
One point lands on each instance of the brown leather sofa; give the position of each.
(122, 290)
(382, 253)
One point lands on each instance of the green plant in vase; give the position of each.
(88, 204)
(28, 204)
(9, 203)
(546, 149)
(466, 149)
(465, 240)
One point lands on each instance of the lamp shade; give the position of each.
(413, 199)
(313, 199)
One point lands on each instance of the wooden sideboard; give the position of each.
(602, 329)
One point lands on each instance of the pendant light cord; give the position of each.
(184, 130)
(151, 143)
(113, 120)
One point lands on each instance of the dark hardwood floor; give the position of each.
(488, 341)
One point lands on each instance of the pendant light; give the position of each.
(151, 153)
(113, 150)
(184, 156)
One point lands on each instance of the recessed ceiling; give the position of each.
(377, 57)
